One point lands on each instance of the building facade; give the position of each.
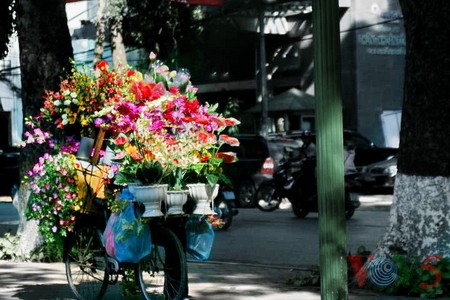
(373, 48)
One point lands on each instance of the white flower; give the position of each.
(67, 102)
(57, 103)
(73, 95)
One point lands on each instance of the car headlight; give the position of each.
(391, 171)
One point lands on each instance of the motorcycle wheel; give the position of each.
(267, 197)
(299, 210)
(224, 214)
(349, 208)
(245, 194)
(299, 201)
(349, 213)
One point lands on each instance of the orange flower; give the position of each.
(171, 141)
(148, 155)
(204, 157)
(134, 153)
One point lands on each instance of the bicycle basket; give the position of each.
(90, 185)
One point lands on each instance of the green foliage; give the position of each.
(311, 279)
(44, 253)
(130, 290)
(8, 246)
(7, 23)
(428, 278)
(149, 172)
(54, 200)
(157, 25)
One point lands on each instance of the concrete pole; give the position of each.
(330, 161)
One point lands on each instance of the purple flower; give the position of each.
(98, 122)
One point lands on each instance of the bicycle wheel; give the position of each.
(163, 275)
(86, 264)
(267, 197)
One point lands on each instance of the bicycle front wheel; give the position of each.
(86, 264)
(163, 274)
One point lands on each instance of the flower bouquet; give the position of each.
(168, 136)
(155, 125)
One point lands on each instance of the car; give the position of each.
(258, 158)
(366, 152)
(9, 169)
(376, 166)
(378, 176)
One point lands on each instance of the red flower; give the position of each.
(142, 90)
(173, 90)
(202, 121)
(171, 141)
(131, 73)
(229, 140)
(206, 137)
(227, 157)
(103, 65)
(120, 141)
(232, 121)
(219, 121)
(147, 90)
(192, 106)
(204, 157)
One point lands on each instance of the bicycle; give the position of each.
(89, 270)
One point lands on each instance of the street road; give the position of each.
(279, 238)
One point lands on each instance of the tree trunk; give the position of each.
(419, 220)
(45, 52)
(119, 55)
(45, 49)
(420, 214)
(100, 25)
(116, 10)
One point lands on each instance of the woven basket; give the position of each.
(91, 185)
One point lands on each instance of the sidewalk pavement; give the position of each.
(207, 280)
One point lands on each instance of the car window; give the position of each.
(361, 142)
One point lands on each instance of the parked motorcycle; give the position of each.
(271, 192)
(300, 188)
(225, 208)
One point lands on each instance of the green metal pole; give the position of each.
(330, 161)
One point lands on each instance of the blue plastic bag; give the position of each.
(132, 239)
(199, 237)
